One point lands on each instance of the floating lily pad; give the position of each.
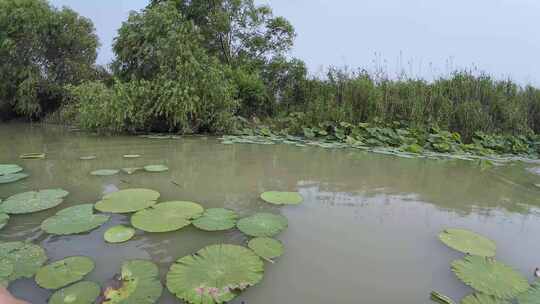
(33, 156)
(33, 201)
(64, 272)
(4, 218)
(216, 219)
(282, 198)
(89, 157)
(9, 169)
(132, 156)
(262, 224)
(26, 258)
(490, 277)
(11, 178)
(138, 284)
(479, 298)
(6, 269)
(532, 296)
(119, 234)
(168, 216)
(216, 274)
(468, 242)
(73, 220)
(266, 247)
(126, 201)
(105, 172)
(80, 293)
(131, 170)
(156, 168)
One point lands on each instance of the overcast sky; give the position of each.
(422, 37)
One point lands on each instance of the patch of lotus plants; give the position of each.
(10, 173)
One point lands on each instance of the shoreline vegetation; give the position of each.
(185, 67)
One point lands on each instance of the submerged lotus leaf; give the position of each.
(33, 156)
(126, 201)
(262, 224)
(532, 296)
(4, 218)
(168, 216)
(73, 220)
(139, 284)
(11, 178)
(156, 168)
(104, 172)
(468, 242)
(216, 274)
(267, 248)
(282, 198)
(33, 201)
(119, 234)
(64, 272)
(9, 169)
(80, 293)
(216, 219)
(26, 258)
(89, 157)
(132, 156)
(490, 277)
(480, 298)
(131, 170)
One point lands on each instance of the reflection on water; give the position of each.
(366, 232)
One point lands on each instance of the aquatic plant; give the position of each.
(156, 168)
(532, 295)
(127, 201)
(167, 216)
(4, 218)
(266, 248)
(11, 178)
(32, 156)
(84, 292)
(6, 169)
(216, 219)
(282, 198)
(262, 224)
(64, 272)
(33, 201)
(468, 242)
(480, 298)
(131, 170)
(129, 156)
(105, 172)
(118, 234)
(440, 298)
(25, 258)
(89, 157)
(73, 220)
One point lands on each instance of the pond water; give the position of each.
(366, 232)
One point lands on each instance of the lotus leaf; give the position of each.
(532, 296)
(89, 157)
(80, 293)
(266, 248)
(73, 220)
(139, 284)
(282, 198)
(216, 219)
(468, 242)
(132, 156)
(11, 178)
(126, 201)
(479, 298)
(119, 234)
(4, 218)
(33, 156)
(6, 269)
(9, 169)
(165, 217)
(33, 201)
(26, 258)
(262, 225)
(64, 272)
(216, 274)
(490, 277)
(130, 170)
(440, 298)
(105, 172)
(155, 168)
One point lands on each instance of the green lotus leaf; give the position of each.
(11, 178)
(440, 298)
(532, 295)
(131, 170)
(4, 218)
(80, 293)
(139, 284)
(468, 242)
(89, 157)
(33, 156)
(64, 272)
(26, 258)
(119, 234)
(73, 220)
(33, 201)
(6, 269)
(105, 172)
(9, 169)
(282, 198)
(168, 216)
(216, 219)
(490, 277)
(262, 225)
(479, 298)
(132, 156)
(216, 274)
(156, 168)
(126, 201)
(266, 248)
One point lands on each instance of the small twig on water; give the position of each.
(176, 184)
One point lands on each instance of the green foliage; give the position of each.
(73, 220)
(167, 216)
(33, 201)
(138, 283)
(468, 242)
(216, 219)
(80, 293)
(128, 200)
(64, 272)
(25, 258)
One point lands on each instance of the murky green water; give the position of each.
(366, 233)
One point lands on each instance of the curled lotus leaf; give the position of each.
(126, 201)
(88, 157)
(216, 219)
(282, 198)
(468, 242)
(33, 201)
(266, 248)
(64, 272)
(119, 234)
(128, 156)
(84, 292)
(9, 169)
(479, 298)
(531, 296)
(105, 172)
(216, 274)
(4, 218)
(156, 168)
(168, 216)
(73, 220)
(32, 156)
(262, 224)
(11, 178)
(131, 170)
(26, 258)
(490, 277)
(438, 297)
(138, 283)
